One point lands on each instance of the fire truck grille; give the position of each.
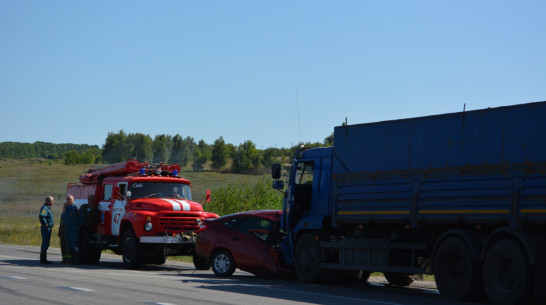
(177, 224)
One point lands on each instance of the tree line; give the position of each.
(185, 151)
(50, 151)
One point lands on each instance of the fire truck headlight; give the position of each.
(148, 226)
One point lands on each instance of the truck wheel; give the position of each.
(200, 263)
(457, 275)
(130, 250)
(222, 263)
(507, 276)
(398, 279)
(307, 259)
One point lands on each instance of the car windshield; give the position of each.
(159, 190)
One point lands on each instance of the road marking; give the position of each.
(80, 289)
(15, 277)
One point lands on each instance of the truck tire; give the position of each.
(507, 276)
(200, 263)
(398, 279)
(307, 258)
(457, 275)
(223, 264)
(130, 250)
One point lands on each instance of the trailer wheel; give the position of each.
(457, 274)
(307, 258)
(130, 250)
(398, 279)
(507, 276)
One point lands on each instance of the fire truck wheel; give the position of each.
(307, 259)
(507, 276)
(130, 250)
(223, 264)
(200, 263)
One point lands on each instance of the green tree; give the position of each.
(220, 154)
(180, 153)
(162, 147)
(141, 146)
(202, 155)
(247, 158)
(115, 148)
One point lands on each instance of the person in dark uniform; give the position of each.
(62, 238)
(47, 223)
(71, 222)
(90, 217)
(90, 214)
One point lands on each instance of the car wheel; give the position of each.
(222, 263)
(130, 250)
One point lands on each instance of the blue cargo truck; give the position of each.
(461, 196)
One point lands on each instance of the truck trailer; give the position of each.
(461, 196)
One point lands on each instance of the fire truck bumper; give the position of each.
(177, 239)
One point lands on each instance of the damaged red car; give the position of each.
(247, 240)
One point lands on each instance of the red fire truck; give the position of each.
(146, 213)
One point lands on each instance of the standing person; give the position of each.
(62, 238)
(71, 222)
(47, 223)
(89, 216)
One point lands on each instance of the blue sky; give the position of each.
(274, 72)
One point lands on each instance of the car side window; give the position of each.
(233, 224)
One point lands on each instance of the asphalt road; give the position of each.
(24, 281)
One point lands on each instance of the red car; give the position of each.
(248, 241)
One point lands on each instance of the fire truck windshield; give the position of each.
(159, 190)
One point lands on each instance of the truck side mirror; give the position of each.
(207, 196)
(276, 171)
(278, 184)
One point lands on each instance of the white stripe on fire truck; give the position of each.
(179, 205)
(184, 204)
(176, 205)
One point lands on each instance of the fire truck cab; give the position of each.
(146, 212)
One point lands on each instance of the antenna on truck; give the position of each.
(298, 112)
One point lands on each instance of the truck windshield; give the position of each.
(160, 190)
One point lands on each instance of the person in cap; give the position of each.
(47, 223)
